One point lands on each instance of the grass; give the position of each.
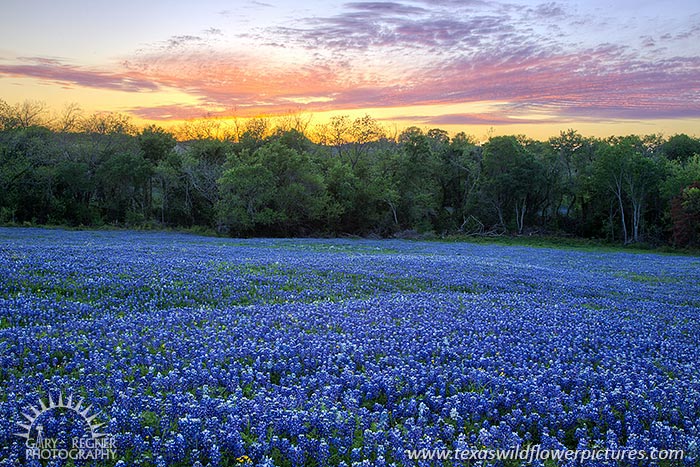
(145, 227)
(535, 241)
(569, 243)
(648, 278)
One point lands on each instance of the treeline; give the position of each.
(347, 177)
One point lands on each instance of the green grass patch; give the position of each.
(569, 243)
(647, 278)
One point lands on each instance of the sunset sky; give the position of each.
(601, 67)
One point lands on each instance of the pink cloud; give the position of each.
(448, 52)
(606, 80)
(54, 71)
(173, 112)
(492, 118)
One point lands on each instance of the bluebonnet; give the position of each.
(346, 352)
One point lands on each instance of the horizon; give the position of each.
(532, 68)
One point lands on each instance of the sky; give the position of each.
(478, 66)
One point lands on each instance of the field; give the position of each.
(215, 351)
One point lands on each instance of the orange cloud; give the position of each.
(398, 54)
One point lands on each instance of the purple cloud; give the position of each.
(390, 24)
(470, 119)
(182, 40)
(174, 111)
(386, 8)
(608, 80)
(550, 10)
(396, 53)
(53, 70)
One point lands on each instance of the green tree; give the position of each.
(642, 182)
(156, 144)
(631, 175)
(460, 175)
(610, 169)
(351, 139)
(343, 189)
(173, 197)
(511, 179)
(122, 180)
(27, 158)
(681, 148)
(253, 136)
(26, 114)
(545, 193)
(685, 214)
(567, 146)
(680, 175)
(364, 131)
(417, 177)
(277, 191)
(73, 188)
(247, 195)
(202, 166)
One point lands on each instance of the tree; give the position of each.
(26, 158)
(335, 133)
(383, 193)
(512, 178)
(610, 172)
(685, 214)
(5, 116)
(23, 115)
(155, 144)
(73, 186)
(177, 199)
(106, 123)
(642, 181)
(566, 146)
(343, 189)
(364, 131)
(351, 139)
(247, 193)
(631, 176)
(681, 148)
(417, 178)
(278, 182)
(122, 179)
(171, 199)
(547, 182)
(68, 119)
(300, 194)
(202, 166)
(680, 175)
(106, 134)
(206, 129)
(297, 121)
(460, 174)
(456, 172)
(276, 191)
(292, 139)
(254, 133)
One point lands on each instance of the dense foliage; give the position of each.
(354, 180)
(200, 351)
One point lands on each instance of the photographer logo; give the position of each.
(48, 420)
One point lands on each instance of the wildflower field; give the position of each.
(225, 352)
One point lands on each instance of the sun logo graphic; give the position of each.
(48, 418)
